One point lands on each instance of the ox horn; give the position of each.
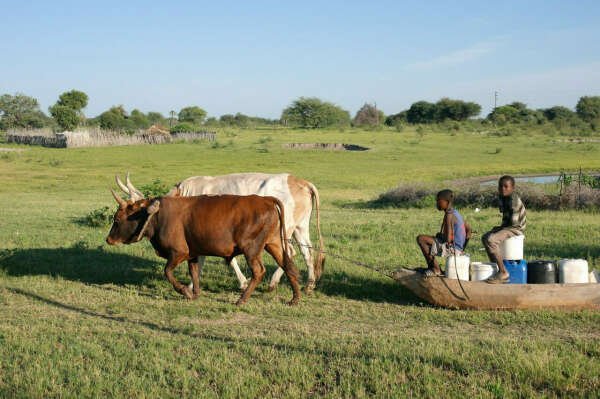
(134, 193)
(121, 185)
(118, 198)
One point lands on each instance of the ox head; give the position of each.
(132, 217)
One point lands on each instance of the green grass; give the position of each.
(81, 319)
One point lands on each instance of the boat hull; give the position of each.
(444, 292)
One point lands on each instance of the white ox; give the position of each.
(297, 196)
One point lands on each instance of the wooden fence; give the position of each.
(101, 138)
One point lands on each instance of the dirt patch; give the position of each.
(325, 146)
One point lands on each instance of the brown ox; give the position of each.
(183, 228)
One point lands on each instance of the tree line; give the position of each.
(21, 111)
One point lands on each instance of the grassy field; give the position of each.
(81, 319)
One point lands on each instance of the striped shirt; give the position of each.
(513, 212)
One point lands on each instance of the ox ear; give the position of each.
(153, 207)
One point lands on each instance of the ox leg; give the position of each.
(238, 273)
(200, 262)
(288, 266)
(193, 268)
(258, 271)
(172, 264)
(302, 237)
(276, 277)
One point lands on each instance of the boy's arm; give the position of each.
(449, 233)
(468, 234)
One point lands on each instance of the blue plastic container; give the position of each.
(517, 270)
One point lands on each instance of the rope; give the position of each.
(376, 269)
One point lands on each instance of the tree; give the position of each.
(74, 99)
(114, 119)
(69, 103)
(311, 112)
(456, 110)
(193, 115)
(20, 111)
(588, 108)
(368, 115)
(227, 119)
(139, 120)
(421, 112)
(395, 119)
(66, 117)
(505, 113)
(558, 112)
(241, 120)
(155, 117)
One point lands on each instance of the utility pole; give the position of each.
(495, 99)
(172, 116)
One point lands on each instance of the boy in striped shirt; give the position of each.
(514, 220)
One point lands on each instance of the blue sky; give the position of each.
(256, 57)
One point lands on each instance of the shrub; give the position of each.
(194, 115)
(473, 195)
(66, 117)
(588, 108)
(155, 189)
(100, 217)
(183, 127)
(314, 113)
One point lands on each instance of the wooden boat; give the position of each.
(447, 293)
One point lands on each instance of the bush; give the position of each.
(100, 217)
(314, 113)
(155, 189)
(66, 117)
(588, 108)
(183, 127)
(194, 115)
(473, 195)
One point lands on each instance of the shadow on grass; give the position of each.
(360, 288)
(95, 266)
(286, 348)
(91, 266)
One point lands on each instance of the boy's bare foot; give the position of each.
(431, 272)
(498, 278)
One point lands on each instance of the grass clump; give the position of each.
(100, 217)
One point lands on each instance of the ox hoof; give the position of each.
(294, 302)
(310, 287)
(240, 302)
(187, 293)
(243, 287)
(272, 288)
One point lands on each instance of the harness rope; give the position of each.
(376, 269)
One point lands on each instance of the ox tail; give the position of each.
(320, 261)
(287, 262)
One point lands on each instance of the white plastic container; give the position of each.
(482, 270)
(573, 271)
(512, 248)
(462, 265)
(595, 276)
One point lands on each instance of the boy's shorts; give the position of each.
(439, 248)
